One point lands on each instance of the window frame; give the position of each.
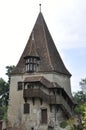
(31, 64)
(20, 86)
(44, 116)
(26, 108)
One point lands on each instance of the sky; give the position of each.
(66, 20)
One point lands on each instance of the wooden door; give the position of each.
(44, 116)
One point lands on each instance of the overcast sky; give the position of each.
(66, 20)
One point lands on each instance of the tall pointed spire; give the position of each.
(50, 60)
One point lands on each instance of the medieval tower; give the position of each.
(40, 91)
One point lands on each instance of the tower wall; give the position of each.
(15, 100)
(16, 114)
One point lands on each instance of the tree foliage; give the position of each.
(3, 112)
(84, 117)
(83, 85)
(4, 92)
(4, 89)
(3, 86)
(9, 71)
(80, 98)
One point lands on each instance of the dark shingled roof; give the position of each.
(44, 48)
(42, 80)
(32, 52)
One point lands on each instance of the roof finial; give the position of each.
(40, 7)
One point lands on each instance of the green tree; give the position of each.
(4, 89)
(83, 85)
(9, 71)
(80, 98)
(4, 93)
(83, 88)
(3, 112)
(3, 86)
(84, 117)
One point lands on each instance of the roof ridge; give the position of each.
(30, 46)
(46, 42)
(33, 51)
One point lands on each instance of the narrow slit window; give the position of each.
(26, 108)
(20, 85)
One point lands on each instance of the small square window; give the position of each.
(20, 85)
(26, 108)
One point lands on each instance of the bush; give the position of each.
(63, 124)
(3, 113)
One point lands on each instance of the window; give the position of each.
(43, 116)
(30, 67)
(20, 85)
(31, 64)
(26, 108)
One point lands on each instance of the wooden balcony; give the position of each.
(50, 99)
(30, 93)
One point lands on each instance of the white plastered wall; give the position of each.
(16, 101)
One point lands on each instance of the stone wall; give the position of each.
(16, 116)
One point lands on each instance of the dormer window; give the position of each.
(32, 59)
(32, 64)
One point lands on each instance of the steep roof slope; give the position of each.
(50, 59)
